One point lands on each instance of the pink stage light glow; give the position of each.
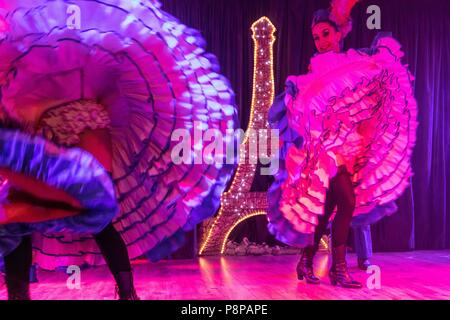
(3, 25)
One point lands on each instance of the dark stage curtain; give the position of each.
(422, 27)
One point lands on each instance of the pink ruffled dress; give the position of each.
(131, 68)
(354, 109)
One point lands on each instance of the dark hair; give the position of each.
(323, 15)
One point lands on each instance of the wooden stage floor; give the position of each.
(406, 275)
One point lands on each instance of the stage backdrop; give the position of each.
(423, 28)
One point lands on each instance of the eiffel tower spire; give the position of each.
(238, 203)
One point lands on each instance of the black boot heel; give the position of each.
(305, 266)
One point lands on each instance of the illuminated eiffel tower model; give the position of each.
(239, 203)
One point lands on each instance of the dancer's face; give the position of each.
(326, 37)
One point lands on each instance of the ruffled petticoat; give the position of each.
(153, 77)
(354, 109)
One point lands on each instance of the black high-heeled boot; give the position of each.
(305, 265)
(17, 270)
(125, 286)
(17, 289)
(339, 273)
